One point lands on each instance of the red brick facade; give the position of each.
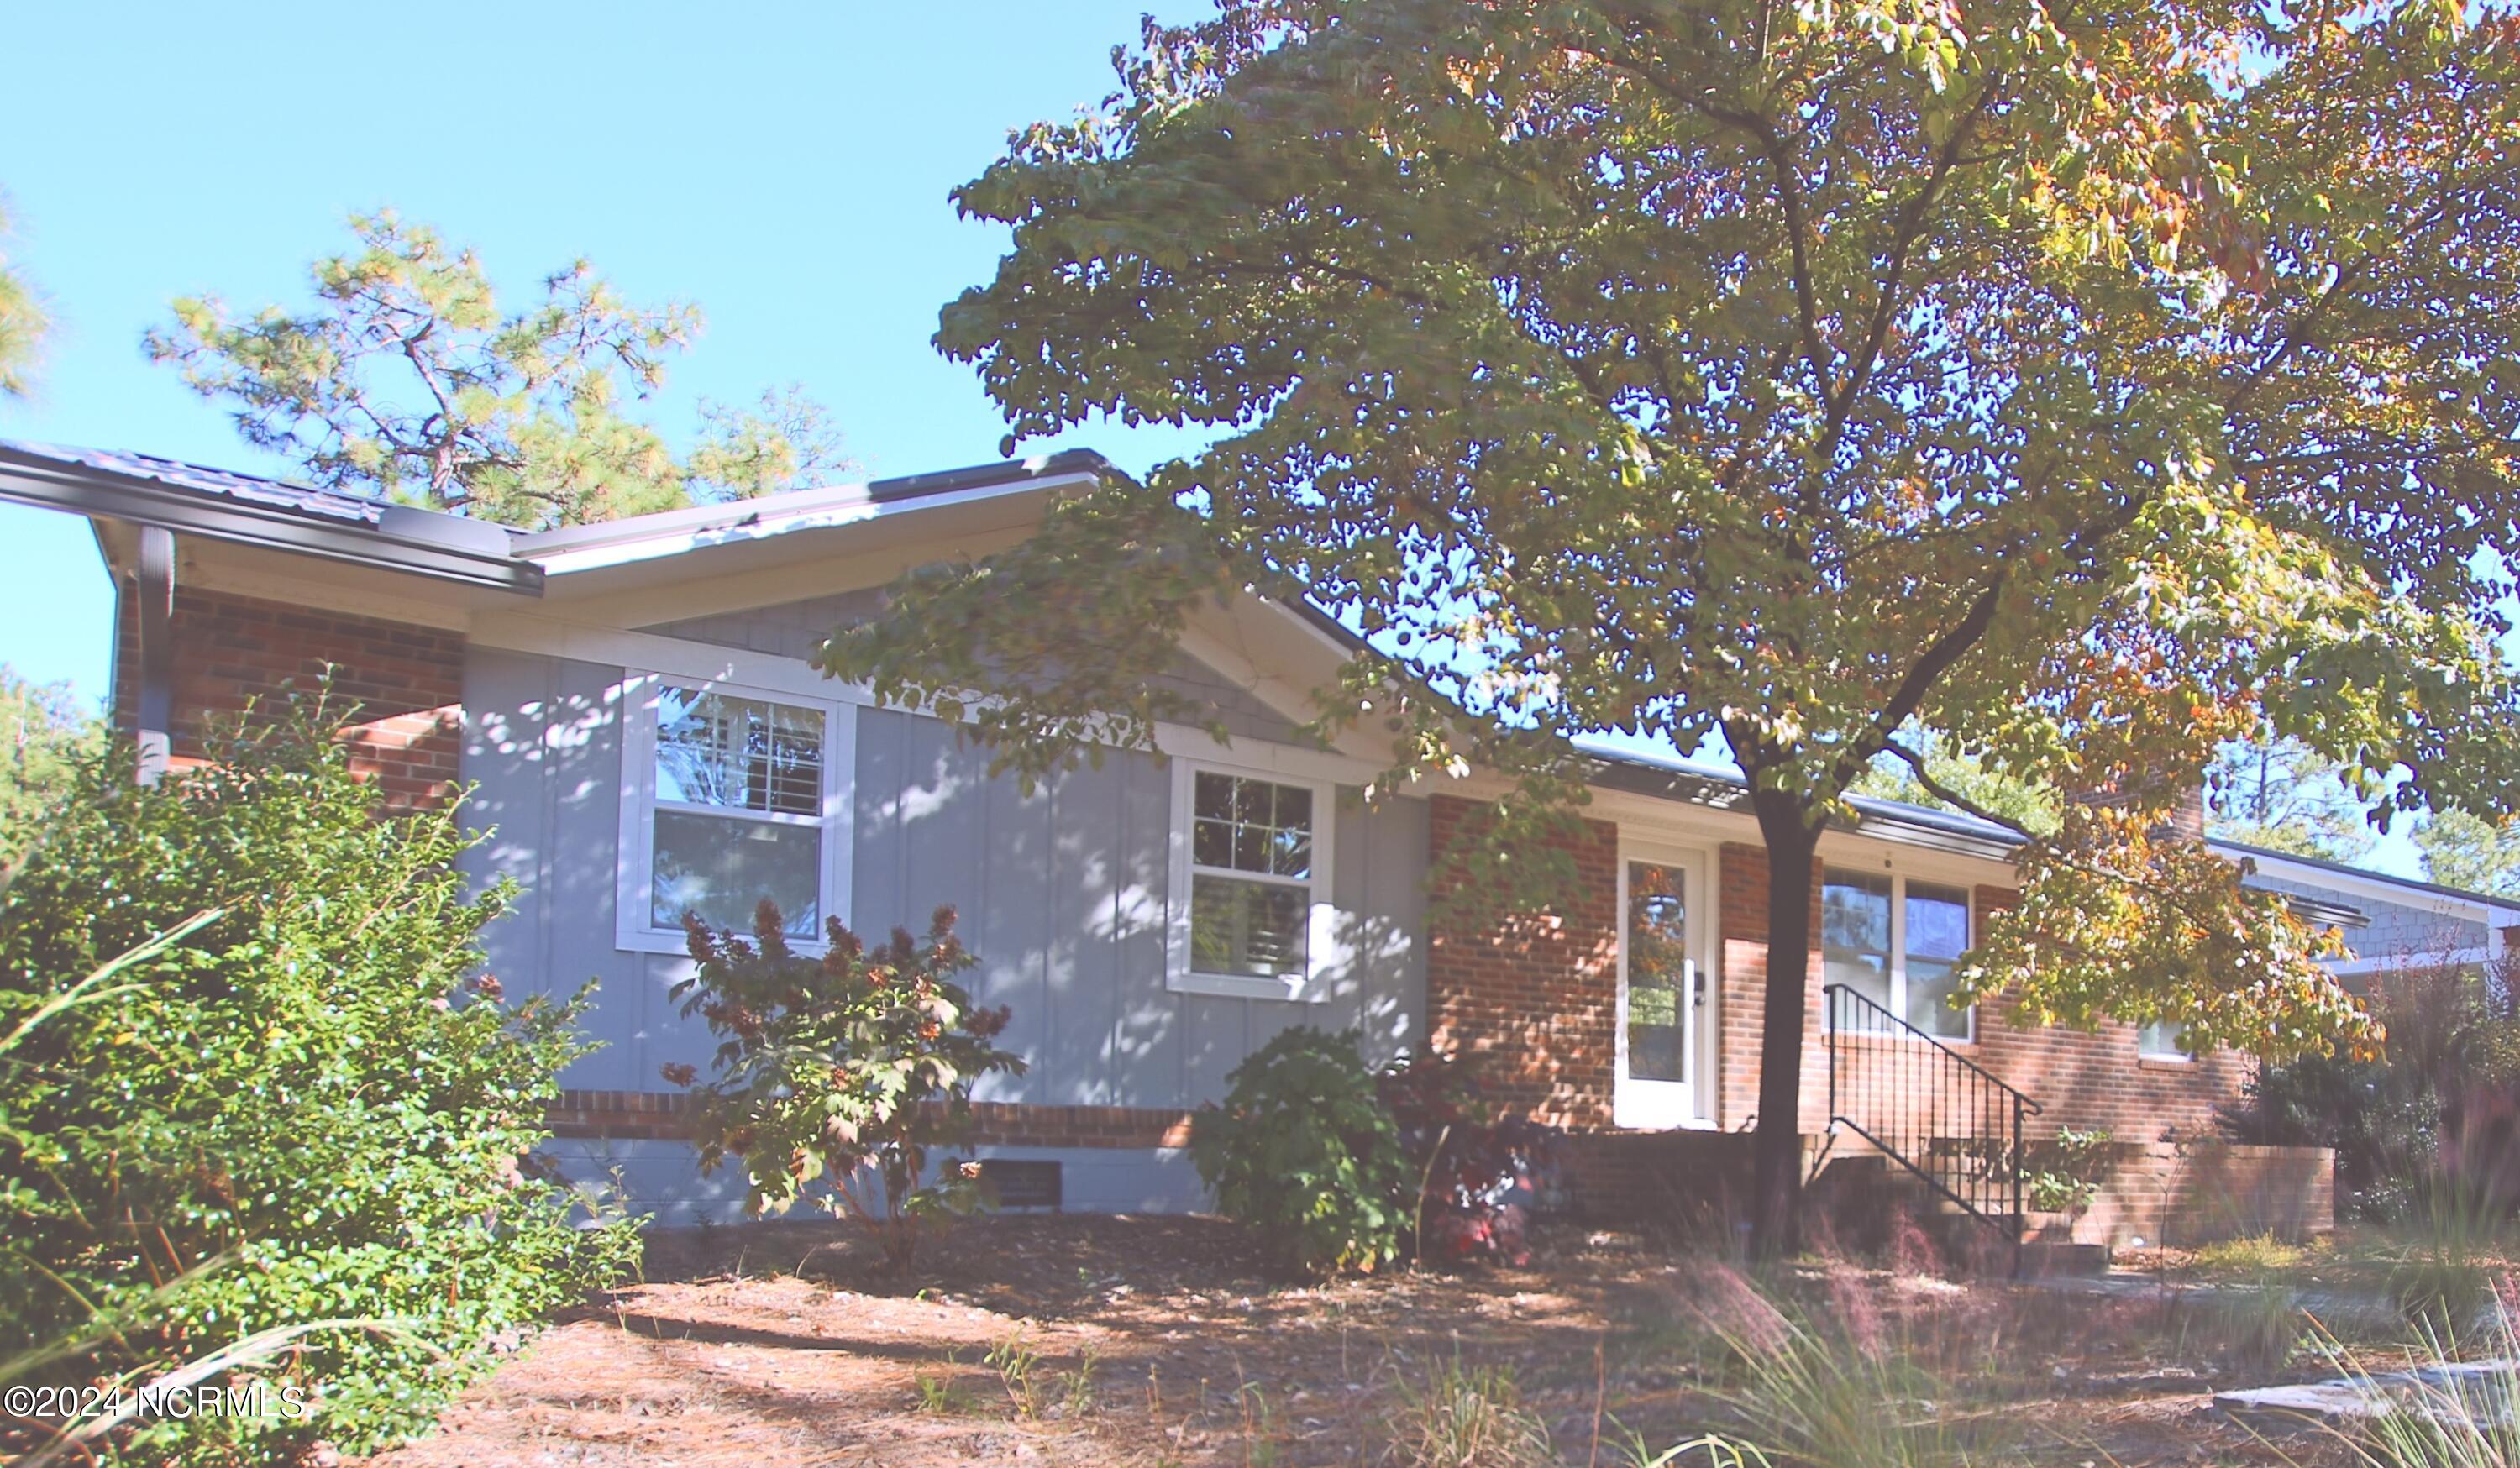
(233, 650)
(663, 1116)
(1534, 997)
(1537, 996)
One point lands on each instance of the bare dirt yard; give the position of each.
(1069, 1340)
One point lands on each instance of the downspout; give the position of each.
(154, 584)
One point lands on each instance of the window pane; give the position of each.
(1657, 970)
(1291, 855)
(1930, 1006)
(1938, 922)
(721, 868)
(1937, 933)
(2159, 1038)
(1251, 826)
(1254, 930)
(745, 754)
(1855, 934)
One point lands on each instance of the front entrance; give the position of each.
(1665, 914)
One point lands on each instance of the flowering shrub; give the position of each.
(1338, 1168)
(259, 1111)
(1480, 1175)
(847, 1070)
(1305, 1152)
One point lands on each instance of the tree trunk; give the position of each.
(1776, 1153)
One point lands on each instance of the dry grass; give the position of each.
(1060, 1341)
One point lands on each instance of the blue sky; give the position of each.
(783, 166)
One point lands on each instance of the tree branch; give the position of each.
(1950, 797)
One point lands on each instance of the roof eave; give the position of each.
(100, 494)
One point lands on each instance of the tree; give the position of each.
(1891, 778)
(408, 380)
(2091, 388)
(21, 324)
(44, 738)
(2471, 852)
(2283, 795)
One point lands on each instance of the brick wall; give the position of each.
(2083, 1080)
(230, 651)
(2196, 1193)
(665, 1116)
(1742, 884)
(1532, 998)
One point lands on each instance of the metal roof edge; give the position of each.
(55, 482)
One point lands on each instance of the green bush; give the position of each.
(2419, 1121)
(303, 1110)
(1305, 1152)
(836, 1067)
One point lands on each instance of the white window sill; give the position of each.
(679, 944)
(1243, 986)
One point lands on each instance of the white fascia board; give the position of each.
(657, 537)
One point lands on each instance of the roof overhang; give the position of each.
(411, 542)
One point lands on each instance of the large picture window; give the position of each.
(731, 798)
(1250, 869)
(1895, 941)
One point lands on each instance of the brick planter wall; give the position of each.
(2200, 1192)
(231, 651)
(1533, 997)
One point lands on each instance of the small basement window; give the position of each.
(1011, 1185)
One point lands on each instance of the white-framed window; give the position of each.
(2159, 1041)
(730, 795)
(1249, 912)
(1895, 940)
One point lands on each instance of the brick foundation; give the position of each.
(665, 1116)
(232, 652)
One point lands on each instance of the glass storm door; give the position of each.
(1661, 992)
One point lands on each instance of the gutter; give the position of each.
(418, 542)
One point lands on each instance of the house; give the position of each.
(632, 707)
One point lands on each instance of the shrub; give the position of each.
(2064, 1174)
(1479, 1176)
(836, 1067)
(252, 1097)
(1304, 1151)
(2436, 1111)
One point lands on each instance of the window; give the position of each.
(729, 798)
(1895, 942)
(1250, 879)
(2159, 1041)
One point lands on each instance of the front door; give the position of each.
(1661, 989)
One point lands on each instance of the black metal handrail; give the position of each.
(1928, 1108)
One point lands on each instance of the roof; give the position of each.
(734, 522)
(253, 508)
(254, 511)
(245, 489)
